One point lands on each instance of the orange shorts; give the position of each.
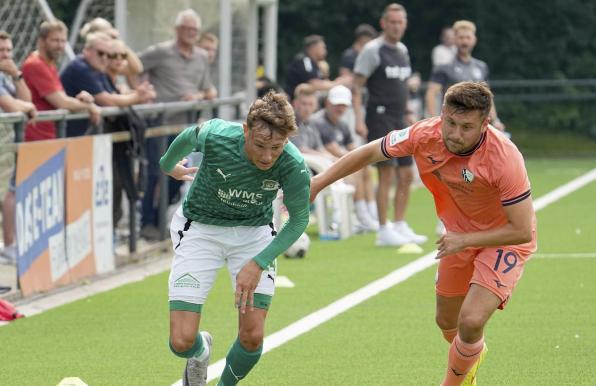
(495, 268)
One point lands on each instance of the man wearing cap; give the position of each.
(338, 140)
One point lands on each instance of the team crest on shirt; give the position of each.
(467, 175)
(398, 136)
(270, 185)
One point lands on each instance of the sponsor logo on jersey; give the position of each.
(467, 175)
(476, 73)
(221, 173)
(187, 281)
(397, 72)
(240, 198)
(270, 185)
(399, 136)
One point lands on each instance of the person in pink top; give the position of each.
(40, 74)
(482, 194)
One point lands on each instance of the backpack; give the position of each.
(8, 312)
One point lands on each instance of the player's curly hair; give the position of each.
(463, 97)
(272, 112)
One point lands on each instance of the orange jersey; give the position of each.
(471, 189)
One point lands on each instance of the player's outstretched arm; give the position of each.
(346, 165)
(172, 162)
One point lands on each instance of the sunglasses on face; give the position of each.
(121, 55)
(101, 53)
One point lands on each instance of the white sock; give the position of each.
(202, 356)
(361, 210)
(372, 210)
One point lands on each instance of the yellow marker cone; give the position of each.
(410, 248)
(72, 381)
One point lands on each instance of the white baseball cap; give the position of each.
(340, 95)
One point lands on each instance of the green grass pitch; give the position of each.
(546, 335)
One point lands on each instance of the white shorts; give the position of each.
(200, 250)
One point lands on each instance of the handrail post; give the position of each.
(19, 132)
(132, 218)
(61, 129)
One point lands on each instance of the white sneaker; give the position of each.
(195, 373)
(404, 229)
(8, 255)
(387, 237)
(366, 222)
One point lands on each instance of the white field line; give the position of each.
(399, 275)
(587, 255)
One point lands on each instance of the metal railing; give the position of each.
(61, 116)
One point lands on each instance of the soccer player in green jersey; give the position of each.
(227, 217)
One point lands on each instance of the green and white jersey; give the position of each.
(229, 190)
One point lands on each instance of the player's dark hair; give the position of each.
(464, 97)
(4, 35)
(272, 112)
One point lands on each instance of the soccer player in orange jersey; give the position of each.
(482, 194)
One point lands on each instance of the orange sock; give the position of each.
(449, 334)
(462, 357)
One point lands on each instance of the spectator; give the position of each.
(87, 72)
(338, 140)
(464, 67)
(99, 24)
(123, 175)
(210, 43)
(305, 67)
(383, 66)
(308, 140)
(362, 35)
(132, 67)
(14, 97)
(179, 71)
(445, 52)
(41, 76)
(123, 62)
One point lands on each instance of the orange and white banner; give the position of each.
(64, 211)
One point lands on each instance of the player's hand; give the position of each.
(246, 283)
(450, 243)
(315, 187)
(181, 172)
